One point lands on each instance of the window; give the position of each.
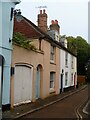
(66, 59)
(72, 62)
(71, 78)
(66, 78)
(52, 79)
(52, 53)
(11, 17)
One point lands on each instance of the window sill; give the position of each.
(52, 90)
(66, 66)
(40, 51)
(52, 62)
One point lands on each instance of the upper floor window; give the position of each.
(66, 59)
(72, 61)
(52, 53)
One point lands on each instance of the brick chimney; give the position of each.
(54, 26)
(42, 20)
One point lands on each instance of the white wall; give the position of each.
(67, 69)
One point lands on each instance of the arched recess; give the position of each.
(39, 79)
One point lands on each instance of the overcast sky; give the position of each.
(72, 15)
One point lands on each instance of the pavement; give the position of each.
(27, 108)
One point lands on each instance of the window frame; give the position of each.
(72, 62)
(52, 54)
(66, 78)
(52, 80)
(66, 59)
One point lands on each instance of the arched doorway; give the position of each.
(38, 80)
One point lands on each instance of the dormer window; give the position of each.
(52, 54)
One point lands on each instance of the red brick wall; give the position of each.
(81, 79)
(25, 28)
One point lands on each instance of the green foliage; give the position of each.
(22, 41)
(80, 47)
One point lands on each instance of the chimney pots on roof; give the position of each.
(40, 11)
(43, 11)
(56, 22)
(52, 22)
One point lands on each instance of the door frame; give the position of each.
(61, 81)
(29, 66)
(39, 82)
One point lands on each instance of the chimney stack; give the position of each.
(42, 20)
(54, 26)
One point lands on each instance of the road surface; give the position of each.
(70, 107)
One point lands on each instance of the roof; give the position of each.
(30, 30)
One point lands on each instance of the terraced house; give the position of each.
(35, 60)
(36, 71)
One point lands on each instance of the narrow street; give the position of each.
(66, 108)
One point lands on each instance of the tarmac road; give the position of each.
(66, 108)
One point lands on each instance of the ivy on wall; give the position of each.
(22, 41)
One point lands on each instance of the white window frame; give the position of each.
(52, 54)
(72, 62)
(66, 59)
(52, 80)
(66, 78)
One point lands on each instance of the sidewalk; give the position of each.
(24, 109)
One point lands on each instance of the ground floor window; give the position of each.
(52, 79)
(66, 78)
(71, 78)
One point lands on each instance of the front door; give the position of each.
(38, 83)
(61, 89)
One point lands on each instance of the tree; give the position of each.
(81, 48)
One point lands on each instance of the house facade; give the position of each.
(6, 23)
(35, 73)
(68, 60)
(68, 68)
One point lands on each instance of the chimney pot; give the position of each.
(56, 22)
(43, 11)
(52, 22)
(40, 11)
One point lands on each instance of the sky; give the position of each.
(72, 15)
